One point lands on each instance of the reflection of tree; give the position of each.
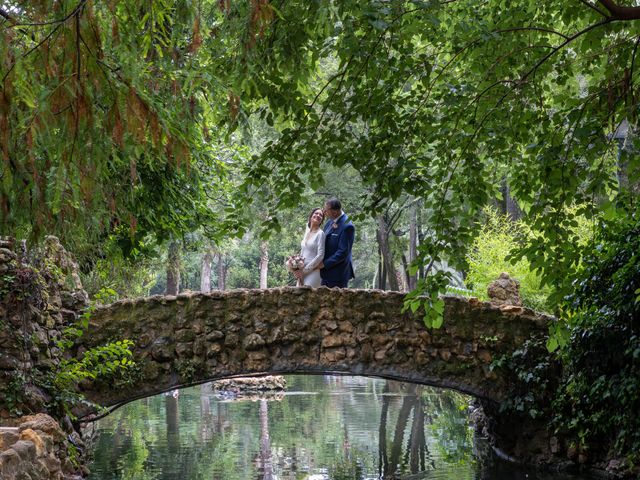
(416, 450)
(266, 460)
(325, 429)
(206, 418)
(450, 425)
(408, 403)
(383, 462)
(173, 423)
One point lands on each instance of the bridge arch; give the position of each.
(193, 338)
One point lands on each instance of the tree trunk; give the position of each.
(387, 256)
(264, 263)
(402, 284)
(406, 278)
(173, 269)
(421, 236)
(380, 283)
(222, 272)
(508, 205)
(205, 273)
(413, 244)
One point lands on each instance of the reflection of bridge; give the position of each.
(193, 338)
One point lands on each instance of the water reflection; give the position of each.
(323, 428)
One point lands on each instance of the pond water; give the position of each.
(321, 428)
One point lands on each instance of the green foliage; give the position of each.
(488, 256)
(14, 395)
(105, 114)
(420, 100)
(599, 395)
(25, 285)
(106, 295)
(120, 265)
(450, 424)
(112, 361)
(97, 362)
(186, 369)
(532, 385)
(426, 296)
(6, 282)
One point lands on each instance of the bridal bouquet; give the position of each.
(294, 262)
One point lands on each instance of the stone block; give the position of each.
(333, 355)
(6, 255)
(346, 327)
(185, 335)
(8, 362)
(380, 355)
(43, 423)
(331, 325)
(504, 291)
(184, 350)
(366, 353)
(484, 356)
(445, 354)
(9, 464)
(253, 342)
(29, 435)
(52, 464)
(25, 449)
(213, 349)
(214, 335)
(162, 349)
(231, 340)
(8, 436)
(340, 340)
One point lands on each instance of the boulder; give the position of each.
(504, 291)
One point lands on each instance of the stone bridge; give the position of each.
(193, 338)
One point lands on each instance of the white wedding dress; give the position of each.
(313, 253)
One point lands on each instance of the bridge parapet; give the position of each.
(194, 338)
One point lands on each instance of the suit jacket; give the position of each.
(338, 266)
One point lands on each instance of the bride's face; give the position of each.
(316, 218)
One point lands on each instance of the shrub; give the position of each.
(599, 399)
(488, 255)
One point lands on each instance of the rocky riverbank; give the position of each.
(36, 447)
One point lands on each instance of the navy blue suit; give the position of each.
(338, 267)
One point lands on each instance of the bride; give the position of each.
(312, 250)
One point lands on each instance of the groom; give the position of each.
(337, 269)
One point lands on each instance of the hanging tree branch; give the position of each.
(619, 12)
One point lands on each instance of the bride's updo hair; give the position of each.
(311, 215)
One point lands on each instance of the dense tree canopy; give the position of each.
(447, 100)
(104, 119)
(111, 110)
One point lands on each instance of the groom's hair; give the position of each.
(333, 203)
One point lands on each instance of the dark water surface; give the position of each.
(323, 427)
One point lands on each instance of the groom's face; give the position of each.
(332, 214)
